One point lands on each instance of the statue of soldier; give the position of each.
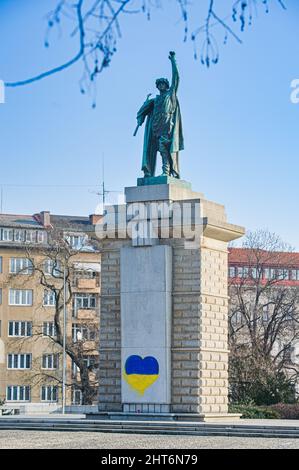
(163, 131)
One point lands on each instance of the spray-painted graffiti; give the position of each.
(140, 373)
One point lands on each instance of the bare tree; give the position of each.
(55, 268)
(264, 313)
(96, 26)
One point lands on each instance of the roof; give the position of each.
(16, 220)
(69, 222)
(247, 256)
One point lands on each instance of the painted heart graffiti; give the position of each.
(140, 373)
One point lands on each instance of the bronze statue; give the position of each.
(163, 131)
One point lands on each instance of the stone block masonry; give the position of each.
(110, 329)
(199, 318)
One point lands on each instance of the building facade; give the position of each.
(31, 360)
(285, 265)
(264, 306)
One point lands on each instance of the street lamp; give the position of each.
(64, 343)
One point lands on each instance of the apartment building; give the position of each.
(285, 265)
(30, 358)
(264, 298)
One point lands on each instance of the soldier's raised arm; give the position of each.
(175, 73)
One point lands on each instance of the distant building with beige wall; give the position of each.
(30, 361)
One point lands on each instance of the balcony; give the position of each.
(87, 283)
(86, 314)
(90, 346)
(93, 376)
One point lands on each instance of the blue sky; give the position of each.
(241, 129)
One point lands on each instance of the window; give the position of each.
(22, 235)
(76, 241)
(237, 318)
(41, 237)
(254, 273)
(49, 393)
(273, 274)
(85, 270)
(18, 393)
(52, 267)
(280, 273)
(20, 297)
(91, 362)
(31, 236)
(75, 370)
(286, 274)
(232, 271)
(270, 273)
(266, 313)
(88, 274)
(6, 235)
(85, 301)
(50, 361)
(242, 271)
(49, 298)
(267, 273)
(20, 328)
(82, 333)
(19, 361)
(49, 329)
(19, 235)
(76, 396)
(20, 266)
(288, 353)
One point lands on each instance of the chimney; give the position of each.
(95, 218)
(45, 218)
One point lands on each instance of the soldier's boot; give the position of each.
(165, 165)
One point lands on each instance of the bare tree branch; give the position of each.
(97, 25)
(264, 311)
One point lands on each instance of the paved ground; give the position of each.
(91, 440)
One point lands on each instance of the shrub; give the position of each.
(258, 382)
(286, 411)
(254, 412)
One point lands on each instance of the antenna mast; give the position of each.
(104, 191)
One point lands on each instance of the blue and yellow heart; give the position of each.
(140, 373)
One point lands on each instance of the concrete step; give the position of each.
(147, 425)
(174, 424)
(172, 428)
(161, 432)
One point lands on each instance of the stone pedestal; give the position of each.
(164, 309)
(146, 287)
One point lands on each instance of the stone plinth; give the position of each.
(146, 305)
(177, 190)
(189, 313)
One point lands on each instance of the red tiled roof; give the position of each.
(245, 256)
